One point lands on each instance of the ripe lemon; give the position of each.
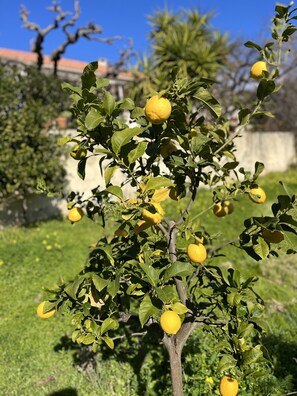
(257, 194)
(151, 218)
(170, 322)
(197, 252)
(45, 315)
(78, 153)
(223, 208)
(75, 214)
(257, 69)
(228, 386)
(273, 236)
(157, 110)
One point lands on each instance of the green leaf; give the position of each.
(167, 293)
(197, 142)
(116, 191)
(93, 119)
(178, 268)
(101, 82)
(265, 88)
(108, 341)
(71, 88)
(64, 140)
(226, 363)
(72, 288)
(120, 138)
(244, 116)
(146, 310)
(81, 168)
(108, 173)
(113, 286)
(126, 104)
(252, 355)
(108, 103)
(261, 248)
(209, 102)
(250, 44)
(104, 151)
(87, 339)
(137, 112)
(155, 183)
(109, 324)
(151, 273)
(107, 251)
(179, 308)
(137, 152)
(259, 168)
(98, 282)
(88, 77)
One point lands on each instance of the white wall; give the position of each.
(277, 150)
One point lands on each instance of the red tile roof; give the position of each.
(65, 64)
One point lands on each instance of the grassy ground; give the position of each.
(36, 357)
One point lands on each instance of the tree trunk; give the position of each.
(175, 368)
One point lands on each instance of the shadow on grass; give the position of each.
(64, 392)
(136, 351)
(284, 357)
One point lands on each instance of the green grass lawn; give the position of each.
(36, 357)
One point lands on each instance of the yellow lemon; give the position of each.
(197, 252)
(228, 386)
(157, 110)
(75, 214)
(223, 208)
(151, 218)
(257, 194)
(158, 208)
(170, 322)
(257, 69)
(78, 153)
(273, 236)
(45, 315)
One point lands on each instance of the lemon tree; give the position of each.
(150, 274)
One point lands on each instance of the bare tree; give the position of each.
(71, 38)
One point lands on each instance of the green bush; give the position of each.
(29, 151)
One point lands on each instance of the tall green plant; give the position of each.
(145, 264)
(183, 45)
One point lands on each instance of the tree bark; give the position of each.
(174, 349)
(175, 369)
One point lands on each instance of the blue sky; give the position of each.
(249, 19)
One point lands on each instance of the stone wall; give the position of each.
(277, 150)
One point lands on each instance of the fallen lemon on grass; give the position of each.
(170, 322)
(228, 386)
(44, 315)
(157, 110)
(197, 252)
(75, 215)
(257, 194)
(273, 236)
(257, 69)
(223, 208)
